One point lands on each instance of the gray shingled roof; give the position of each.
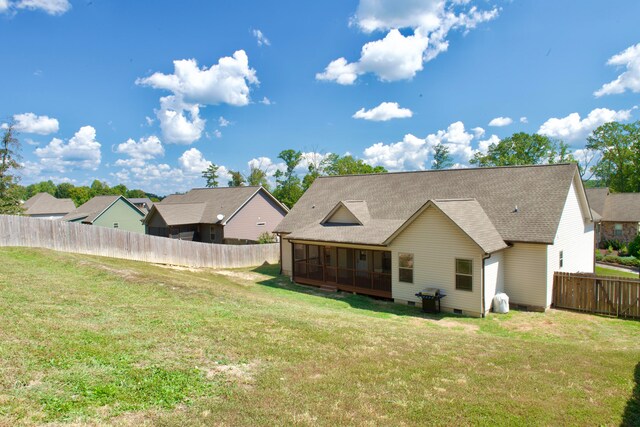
(181, 213)
(597, 198)
(539, 192)
(614, 207)
(46, 204)
(622, 207)
(203, 205)
(93, 208)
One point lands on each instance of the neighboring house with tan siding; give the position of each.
(108, 211)
(233, 215)
(618, 215)
(469, 232)
(44, 205)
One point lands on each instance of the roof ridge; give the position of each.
(447, 170)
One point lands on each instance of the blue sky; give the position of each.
(95, 92)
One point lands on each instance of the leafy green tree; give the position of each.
(136, 194)
(441, 157)
(521, 149)
(237, 180)
(118, 190)
(348, 165)
(41, 187)
(211, 175)
(10, 202)
(288, 185)
(63, 190)
(257, 176)
(80, 195)
(99, 188)
(618, 146)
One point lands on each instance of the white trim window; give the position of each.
(405, 267)
(464, 274)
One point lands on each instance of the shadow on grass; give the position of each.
(631, 416)
(361, 302)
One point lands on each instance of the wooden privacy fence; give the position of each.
(617, 296)
(93, 240)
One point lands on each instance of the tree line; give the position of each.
(610, 158)
(289, 184)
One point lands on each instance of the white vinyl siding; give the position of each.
(435, 242)
(525, 274)
(493, 277)
(575, 238)
(286, 257)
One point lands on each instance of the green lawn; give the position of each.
(90, 340)
(604, 271)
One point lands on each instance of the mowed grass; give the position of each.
(604, 271)
(90, 340)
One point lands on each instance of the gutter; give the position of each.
(280, 242)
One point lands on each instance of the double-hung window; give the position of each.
(464, 274)
(405, 267)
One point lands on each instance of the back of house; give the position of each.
(231, 215)
(470, 233)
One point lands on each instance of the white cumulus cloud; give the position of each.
(572, 127)
(192, 161)
(629, 79)
(501, 121)
(180, 122)
(226, 82)
(81, 151)
(139, 152)
(32, 123)
(398, 56)
(383, 112)
(413, 152)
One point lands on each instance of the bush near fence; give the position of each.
(110, 242)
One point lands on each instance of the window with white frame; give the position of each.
(561, 259)
(116, 225)
(617, 230)
(464, 274)
(405, 267)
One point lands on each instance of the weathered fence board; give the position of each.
(115, 243)
(616, 296)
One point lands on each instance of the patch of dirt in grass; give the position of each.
(446, 323)
(122, 273)
(243, 275)
(181, 268)
(241, 373)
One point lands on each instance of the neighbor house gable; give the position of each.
(121, 199)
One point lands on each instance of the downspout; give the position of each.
(484, 258)
(280, 241)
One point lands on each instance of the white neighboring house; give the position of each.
(44, 205)
(469, 232)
